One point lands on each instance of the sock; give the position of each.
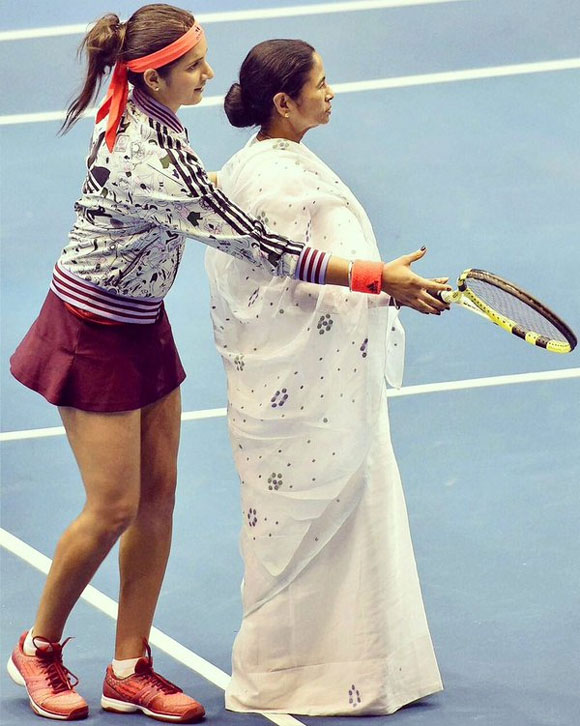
(30, 648)
(124, 668)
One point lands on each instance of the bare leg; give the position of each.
(107, 450)
(145, 545)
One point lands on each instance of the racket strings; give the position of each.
(510, 306)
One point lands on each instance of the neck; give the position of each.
(281, 128)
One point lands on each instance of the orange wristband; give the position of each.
(367, 277)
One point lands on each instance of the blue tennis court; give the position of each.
(456, 124)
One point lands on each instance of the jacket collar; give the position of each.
(156, 110)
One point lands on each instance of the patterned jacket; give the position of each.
(138, 206)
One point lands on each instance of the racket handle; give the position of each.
(441, 295)
(446, 296)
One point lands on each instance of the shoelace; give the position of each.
(144, 670)
(61, 679)
(148, 676)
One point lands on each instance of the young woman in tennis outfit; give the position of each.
(103, 352)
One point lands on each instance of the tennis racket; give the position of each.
(513, 309)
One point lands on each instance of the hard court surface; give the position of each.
(456, 124)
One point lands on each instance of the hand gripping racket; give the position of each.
(513, 309)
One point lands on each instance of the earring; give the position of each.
(286, 115)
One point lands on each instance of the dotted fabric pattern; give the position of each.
(324, 530)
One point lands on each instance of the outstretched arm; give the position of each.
(178, 193)
(399, 281)
(173, 190)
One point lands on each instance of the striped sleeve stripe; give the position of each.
(221, 205)
(312, 266)
(230, 212)
(279, 244)
(200, 179)
(199, 185)
(200, 189)
(323, 269)
(156, 126)
(88, 297)
(268, 241)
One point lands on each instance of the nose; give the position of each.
(329, 93)
(208, 71)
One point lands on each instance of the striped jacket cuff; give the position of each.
(312, 266)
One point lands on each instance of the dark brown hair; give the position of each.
(271, 67)
(149, 29)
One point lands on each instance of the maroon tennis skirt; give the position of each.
(94, 367)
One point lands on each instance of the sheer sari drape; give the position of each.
(333, 616)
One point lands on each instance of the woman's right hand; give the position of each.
(410, 289)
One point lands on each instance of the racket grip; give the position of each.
(445, 296)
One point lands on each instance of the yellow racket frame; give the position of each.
(467, 298)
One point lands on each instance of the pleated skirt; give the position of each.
(97, 367)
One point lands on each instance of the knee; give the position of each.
(112, 521)
(158, 496)
(158, 509)
(122, 517)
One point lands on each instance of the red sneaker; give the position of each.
(49, 684)
(150, 693)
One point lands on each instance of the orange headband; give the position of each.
(116, 98)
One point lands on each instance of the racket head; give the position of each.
(516, 311)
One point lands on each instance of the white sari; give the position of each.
(333, 615)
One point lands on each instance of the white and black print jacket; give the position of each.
(138, 206)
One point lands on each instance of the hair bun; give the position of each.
(237, 110)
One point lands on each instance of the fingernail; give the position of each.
(423, 248)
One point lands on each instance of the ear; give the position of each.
(283, 104)
(152, 79)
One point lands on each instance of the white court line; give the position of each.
(466, 384)
(238, 15)
(59, 430)
(536, 377)
(158, 638)
(425, 79)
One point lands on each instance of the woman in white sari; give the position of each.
(333, 615)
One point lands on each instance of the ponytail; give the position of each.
(102, 46)
(149, 29)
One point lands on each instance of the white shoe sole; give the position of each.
(16, 676)
(112, 704)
